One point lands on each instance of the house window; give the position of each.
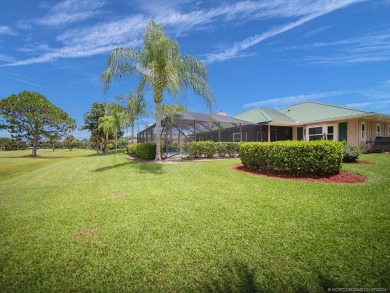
(321, 132)
(330, 133)
(378, 129)
(315, 133)
(388, 131)
(363, 131)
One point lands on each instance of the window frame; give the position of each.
(378, 129)
(244, 136)
(363, 131)
(324, 132)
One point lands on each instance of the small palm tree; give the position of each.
(136, 107)
(107, 125)
(70, 141)
(161, 66)
(116, 111)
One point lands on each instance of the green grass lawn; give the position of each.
(76, 221)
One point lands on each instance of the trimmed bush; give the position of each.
(228, 148)
(199, 149)
(351, 153)
(146, 151)
(313, 158)
(208, 149)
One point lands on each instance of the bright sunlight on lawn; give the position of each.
(76, 221)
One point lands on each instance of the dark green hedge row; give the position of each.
(146, 151)
(303, 158)
(209, 149)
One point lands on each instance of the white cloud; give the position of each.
(278, 103)
(70, 11)
(313, 11)
(5, 30)
(17, 77)
(374, 47)
(103, 37)
(122, 32)
(316, 31)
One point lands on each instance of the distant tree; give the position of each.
(161, 66)
(107, 125)
(91, 123)
(8, 144)
(70, 141)
(85, 143)
(31, 115)
(53, 140)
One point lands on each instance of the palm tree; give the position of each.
(136, 107)
(107, 125)
(169, 111)
(116, 111)
(70, 141)
(161, 66)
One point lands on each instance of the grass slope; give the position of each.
(103, 223)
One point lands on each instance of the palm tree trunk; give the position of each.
(132, 133)
(158, 131)
(116, 142)
(105, 144)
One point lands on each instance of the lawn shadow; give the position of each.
(106, 168)
(239, 277)
(153, 168)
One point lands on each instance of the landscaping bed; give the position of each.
(341, 177)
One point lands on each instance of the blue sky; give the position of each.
(259, 53)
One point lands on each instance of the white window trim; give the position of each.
(378, 133)
(324, 127)
(363, 134)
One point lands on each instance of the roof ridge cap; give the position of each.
(264, 114)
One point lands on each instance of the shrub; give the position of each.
(198, 149)
(314, 158)
(227, 148)
(146, 150)
(351, 153)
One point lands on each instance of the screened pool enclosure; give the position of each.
(189, 126)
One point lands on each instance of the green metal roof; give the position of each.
(263, 115)
(310, 111)
(299, 113)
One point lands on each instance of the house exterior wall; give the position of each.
(354, 130)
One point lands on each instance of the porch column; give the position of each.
(194, 130)
(219, 132)
(269, 133)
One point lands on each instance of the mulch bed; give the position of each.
(361, 162)
(342, 177)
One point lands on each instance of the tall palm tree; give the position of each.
(107, 125)
(161, 66)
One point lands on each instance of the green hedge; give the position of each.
(303, 158)
(208, 149)
(146, 151)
